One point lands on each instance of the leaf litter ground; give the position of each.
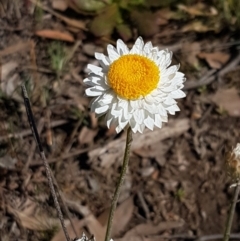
(176, 186)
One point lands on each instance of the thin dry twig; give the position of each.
(44, 159)
(231, 65)
(207, 79)
(33, 146)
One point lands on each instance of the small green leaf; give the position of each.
(104, 23)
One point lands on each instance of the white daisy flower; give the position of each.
(135, 87)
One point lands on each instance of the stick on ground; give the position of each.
(43, 157)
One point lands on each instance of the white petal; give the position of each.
(116, 112)
(106, 99)
(135, 128)
(93, 80)
(168, 87)
(149, 99)
(179, 75)
(112, 53)
(108, 118)
(137, 47)
(147, 48)
(153, 55)
(171, 70)
(127, 110)
(177, 94)
(165, 59)
(172, 109)
(164, 118)
(151, 108)
(158, 121)
(133, 125)
(103, 60)
(122, 48)
(95, 69)
(141, 128)
(93, 91)
(138, 116)
(149, 122)
(134, 104)
(169, 100)
(102, 109)
(161, 110)
(118, 129)
(122, 124)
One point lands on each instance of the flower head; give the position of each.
(135, 87)
(233, 162)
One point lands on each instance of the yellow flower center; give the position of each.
(132, 76)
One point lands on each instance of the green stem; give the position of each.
(231, 213)
(119, 184)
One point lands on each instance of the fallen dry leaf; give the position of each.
(150, 229)
(87, 135)
(121, 218)
(9, 87)
(59, 5)
(113, 151)
(7, 162)
(7, 68)
(229, 100)
(55, 34)
(95, 227)
(215, 60)
(171, 129)
(35, 222)
(190, 51)
(21, 46)
(153, 151)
